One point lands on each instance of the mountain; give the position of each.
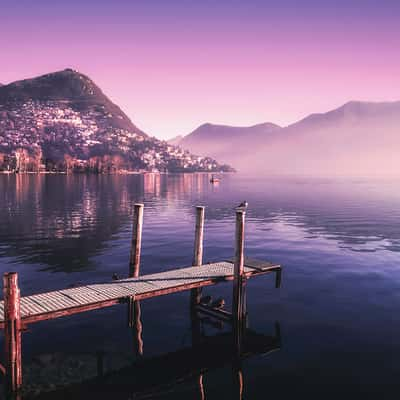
(358, 138)
(175, 140)
(227, 142)
(70, 86)
(63, 121)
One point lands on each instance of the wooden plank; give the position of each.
(84, 295)
(171, 283)
(161, 280)
(113, 290)
(169, 279)
(214, 270)
(221, 269)
(53, 301)
(137, 286)
(257, 264)
(67, 312)
(176, 289)
(29, 307)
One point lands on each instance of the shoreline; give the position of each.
(115, 173)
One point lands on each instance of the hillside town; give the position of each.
(58, 136)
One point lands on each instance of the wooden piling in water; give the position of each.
(12, 332)
(198, 237)
(239, 278)
(136, 243)
(198, 250)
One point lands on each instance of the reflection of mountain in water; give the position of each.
(62, 221)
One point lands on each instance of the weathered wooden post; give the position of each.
(134, 269)
(136, 243)
(12, 332)
(198, 250)
(198, 237)
(239, 279)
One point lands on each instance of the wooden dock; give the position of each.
(50, 305)
(17, 312)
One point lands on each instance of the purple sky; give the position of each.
(172, 65)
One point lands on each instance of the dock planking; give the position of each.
(52, 304)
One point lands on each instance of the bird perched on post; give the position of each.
(243, 205)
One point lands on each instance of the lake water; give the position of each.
(339, 243)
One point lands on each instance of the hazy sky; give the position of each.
(172, 65)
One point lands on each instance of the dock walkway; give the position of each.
(50, 305)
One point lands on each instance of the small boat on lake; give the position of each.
(214, 179)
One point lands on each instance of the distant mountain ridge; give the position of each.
(175, 140)
(63, 121)
(224, 139)
(351, 110)
(213, 130)
(357, 138)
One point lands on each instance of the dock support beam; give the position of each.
(198, 250)
(12, 332)
(134, 269)
(239, 281)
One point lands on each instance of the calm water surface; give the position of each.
(338, 307)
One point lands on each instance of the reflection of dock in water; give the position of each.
(163, 374)
(16, 312)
